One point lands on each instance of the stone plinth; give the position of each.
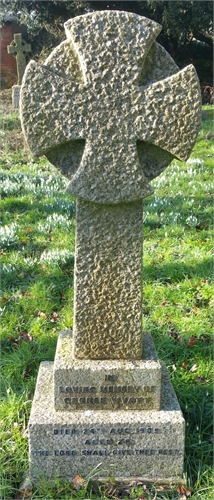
(106, 384)
(16, 89)
(146, 445)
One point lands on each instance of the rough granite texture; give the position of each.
(111, 95)
(107, 384)
(147, 445)
(108, 281)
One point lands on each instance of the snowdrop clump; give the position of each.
(8, 235)
(54, 221)
(60, 205)
(196, 162)
(191, 221)
(12, 184)
(56, 257)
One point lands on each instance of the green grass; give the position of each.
(208, 106)
(37, 254)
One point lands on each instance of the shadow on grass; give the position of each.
(38, 207)
(196, 405)
(175, 272)
(22, 277)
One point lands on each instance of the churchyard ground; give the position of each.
(37, 255)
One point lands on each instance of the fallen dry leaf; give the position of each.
(174, 334)
(54, 317)
(28, 371)
(13, 340)
(69, 272)
(4, 299)
(42, 314)
(164, 303)
(24, 494)
(192, 341)
(182, 490)
(195, 309)
(131, 484)
(184, 365)
(78, 482)
(163, 488)
(26, 336)
(205, 338)
(202, 225)
(109, 488)
(200, 380)
(194, 368)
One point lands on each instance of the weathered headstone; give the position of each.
(110, 110)
(18, 48)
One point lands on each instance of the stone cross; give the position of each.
(110, 110)
(18, 48)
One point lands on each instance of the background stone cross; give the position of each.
(18, 48)
(119, 124)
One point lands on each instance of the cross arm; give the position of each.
(18, 45)
(113, 46)
(11, 49)
(171, 113)
(47, 120)
(26, 47)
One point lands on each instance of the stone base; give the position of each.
(106, 384)
(145, 445)
(16, 89)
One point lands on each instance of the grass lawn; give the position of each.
(37, 255)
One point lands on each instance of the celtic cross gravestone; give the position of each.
(110, 110)
(18, 48)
